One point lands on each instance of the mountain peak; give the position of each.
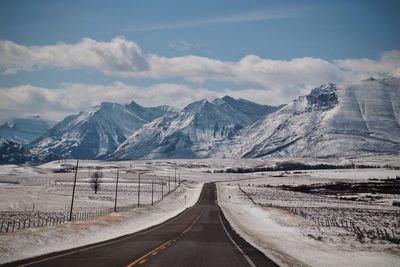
(96, 132)
(133, 104)
(323, 97)
(325, 88)
(108, 104)
(230, 100)
(35, 117)
(227, 98)
(395, 73)
(195, 132)
(196, 106)
(331, 121)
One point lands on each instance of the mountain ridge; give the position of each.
(360, 118)
(96, 132)
(192, 132)
(332, 120)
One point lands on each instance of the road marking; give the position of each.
(247, 258)
(116, 239)
(163, 246)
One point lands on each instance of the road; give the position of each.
(196, 237)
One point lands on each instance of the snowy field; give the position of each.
(40, 191)
(41, 188)
(270, 225)
(318, 236)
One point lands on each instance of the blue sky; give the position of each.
(279, 40)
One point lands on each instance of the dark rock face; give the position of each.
(322, 98)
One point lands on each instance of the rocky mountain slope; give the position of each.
(195, 132)
(350, 120)
(97, 132)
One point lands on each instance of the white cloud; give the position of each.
(356, 69)
(295, 73)
(182, 45)
(123, 58)
(117, 57)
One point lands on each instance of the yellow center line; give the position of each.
(143, 259)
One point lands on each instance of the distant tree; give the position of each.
(95, 182)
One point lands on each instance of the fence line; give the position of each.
(43, 219)
(350, 226)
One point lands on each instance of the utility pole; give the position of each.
(116, 193)
(152, 191)
(175, 175)
(73, 191)
(138, 198)
(162, 189)
(169, 184)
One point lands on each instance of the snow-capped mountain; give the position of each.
(12, 152)
(349, 120)
(96, 132)
(24, 130)
(333, 120)
(194, 132)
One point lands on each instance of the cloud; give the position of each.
(260, 15)
(72, 98)
(277, 82)
(117, 57)
(356, 69)
(285, 74)
(182, 45)
(123, 58)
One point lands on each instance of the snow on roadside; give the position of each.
(38, 241)
(287, 245)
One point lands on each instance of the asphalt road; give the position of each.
(196, 237)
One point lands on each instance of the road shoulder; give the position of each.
(34, 242)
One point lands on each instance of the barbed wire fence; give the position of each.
(379, 233)
(11, 221)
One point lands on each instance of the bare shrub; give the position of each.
(95, 182)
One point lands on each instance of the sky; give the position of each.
(61, 57)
